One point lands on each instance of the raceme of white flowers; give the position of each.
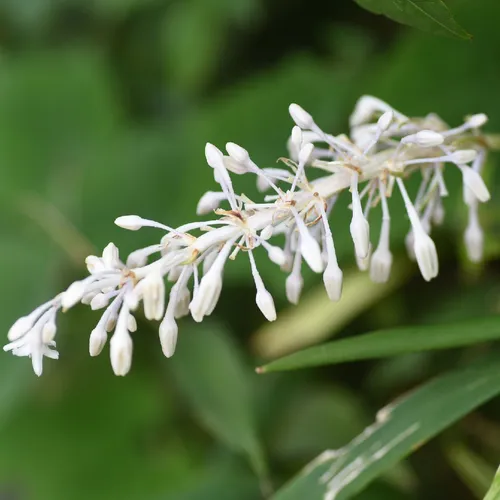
(383, 149)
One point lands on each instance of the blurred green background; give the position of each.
(105, 107)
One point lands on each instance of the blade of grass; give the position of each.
(383, 343)
(399, 430)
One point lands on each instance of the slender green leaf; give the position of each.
(214, 379)
(427, 15)
(399, 429)
(494, 491)
(472, 468)
(385, 343)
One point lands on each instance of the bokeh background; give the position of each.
(105, 107)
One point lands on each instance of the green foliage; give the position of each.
(494, 491)
(427, 15)
(105, 107)
(400, 428)
(391, 343)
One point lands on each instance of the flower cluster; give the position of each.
(383, 149)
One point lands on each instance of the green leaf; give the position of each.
(212, 376)
(494, 491)
(400, 428)
(427, 15)
(384, 343)
(472, 468)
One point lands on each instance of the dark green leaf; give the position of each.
(399, 429)
(427, 15)
(214, 379)
(391, 342)
(494, 491)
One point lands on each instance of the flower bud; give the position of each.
(301, 117)
(332, 278)
(474, 241)
(121, 347)
(153, 290)
(311, 252)
(476, 121)
(360, 233)
(213, 155)
(267, 232)
(20, 327)
(237, 153)
(99, 301)
(385, 120)
(49, 332)
(97, 340)
(265, 303)
(130, 222)
(426, 254)
(463, 156)
(73, 294)
(276, 255)
(293, 286)
(306, 152)
(209, 202)
(168, 335)
(111, 256)
(424, 139)
(380, 265)
(475, 183)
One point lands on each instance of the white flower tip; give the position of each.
(20, 327)
(293, 287)
(306, 152)
(206, 297)
(267, 232)
(475, 183)
(97, 341)
(424, 139)
(265, 303)
(301, 117)
(130, 222)
(476, 121)
(311, 252)
(208, 202)
(426, 255)
(121, 348)
(360, 233)
(380, 265)
(463, 156)
(237, 153)
(168, 336)
(73, 294)
(48, 332)
(94, 264)
(297, 136)
(99, 301)
(277, 255)
(385, 120)
(153, 292)
(474, 242)
(213, 155)
(333, 279)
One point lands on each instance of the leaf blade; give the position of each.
(391, 342)
(399, 429)
(427, 15)
(494, 491)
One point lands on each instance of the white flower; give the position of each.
(97, 340)
(383, 149)
(168, 336)
(426, 254)
(332, 278)
(153, 290)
